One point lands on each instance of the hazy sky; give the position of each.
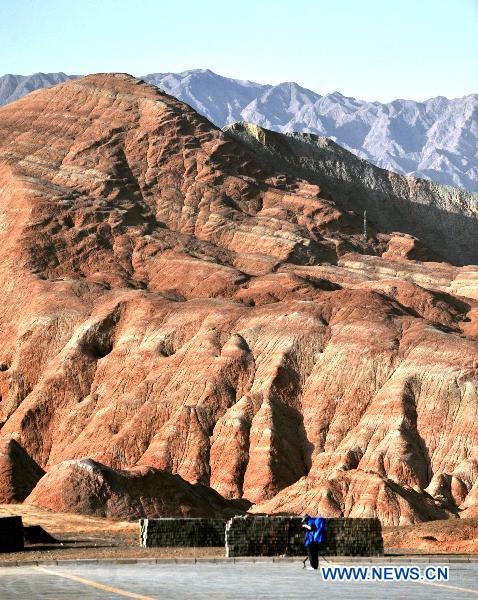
(371, 49)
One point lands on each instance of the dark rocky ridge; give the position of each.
(444, 218)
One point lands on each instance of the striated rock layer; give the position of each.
(169, 300)
(451, 536)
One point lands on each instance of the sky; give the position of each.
(371, 49)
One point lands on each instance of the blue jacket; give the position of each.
(317, 533)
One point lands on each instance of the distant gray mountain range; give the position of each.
(13, 87)
(436, 139)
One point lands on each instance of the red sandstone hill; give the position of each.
(169, 301)
(87, 487)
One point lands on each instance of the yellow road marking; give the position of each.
(100, 586)
(450, 587)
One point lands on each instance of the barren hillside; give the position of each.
(171, 300)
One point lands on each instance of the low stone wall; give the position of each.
(11, 534)
(353, 537)
(263, 536)
(276, 536)
(182, 532)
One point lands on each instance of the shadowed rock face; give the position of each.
(19, 474)
(169, 300)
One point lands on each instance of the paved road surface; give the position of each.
(213, 581)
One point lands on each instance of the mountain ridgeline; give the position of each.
(436, 139)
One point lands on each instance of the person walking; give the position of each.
(314, 537)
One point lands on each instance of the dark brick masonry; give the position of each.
(182, 532)
(277, 536)
(11, 534)
(264, 536)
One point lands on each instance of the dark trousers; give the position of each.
(313, 552)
